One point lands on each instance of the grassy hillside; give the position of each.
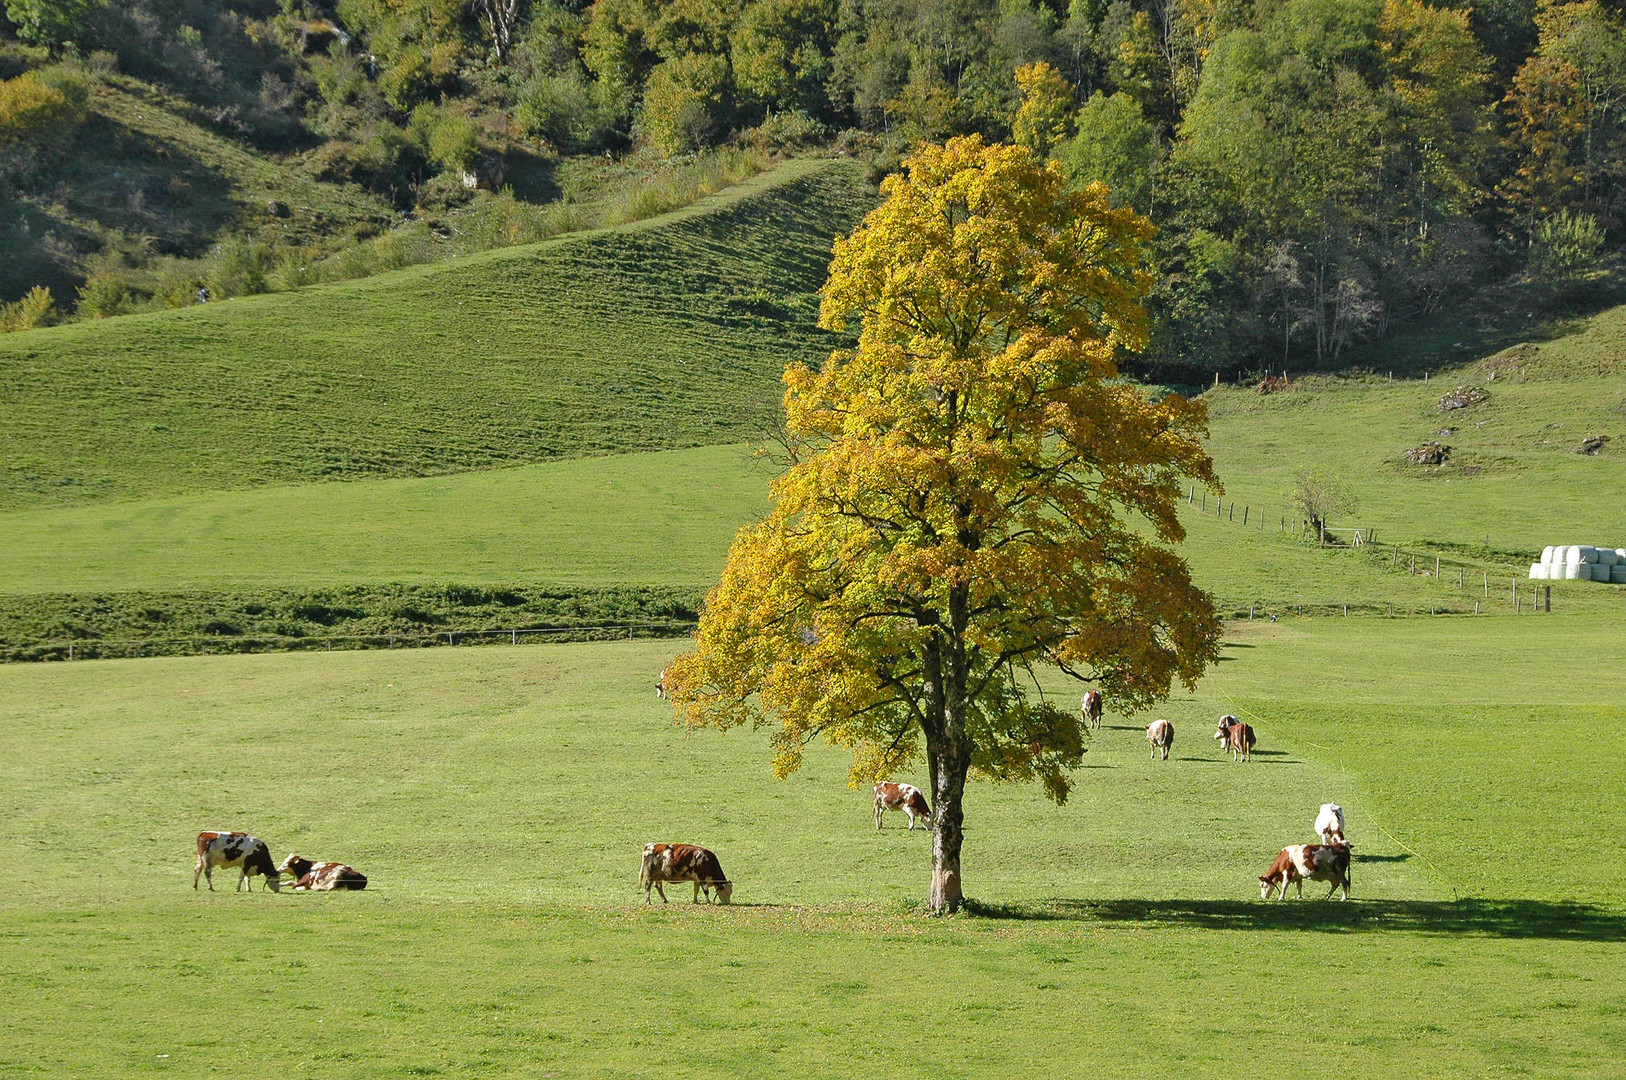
(1514, 481)
(531, 951)
(667, 333)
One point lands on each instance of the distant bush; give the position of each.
(565, 110)
(781, 133)
(1565, 250)
(41, 107)
(103, 295)
(36, 309)
(238, 267)
(684, 103)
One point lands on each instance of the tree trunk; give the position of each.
(948, 833)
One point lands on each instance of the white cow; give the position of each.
(1329, 824)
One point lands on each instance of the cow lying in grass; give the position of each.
(1318, 862)
(239, 849)
(683, 862)
(321, 876)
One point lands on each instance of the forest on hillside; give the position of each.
(1320, 171)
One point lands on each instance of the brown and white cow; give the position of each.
(1089, 709)
(1318, 862)
(905, 797)
(321, 876)
(1235, 736)
(1160, 733)
(684, 862)
(239, 849)
(660, 684)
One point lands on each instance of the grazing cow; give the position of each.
(1235, 736)
(321, 876)
(1160, 733)
(1318, 862)
(683, 862)
(905, 797)
(239, 849)
(1089, 709)
(660, 684)
(1329, 824)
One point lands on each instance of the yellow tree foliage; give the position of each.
(1047, 106)
(975, 492)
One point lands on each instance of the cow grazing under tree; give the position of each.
(239, 849)
(683, 862)
(1235, 736)
(1318, 862)
(905, 797)
(1089, 709)
(1160, 733)
(321, 876)
(660, 684)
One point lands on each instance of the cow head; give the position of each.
(1225, 725)
(725, 891)
(296, 866)
(1265, 885)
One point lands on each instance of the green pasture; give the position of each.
(497, 799)
(1514, 482)
(664, 333)
(663, 518)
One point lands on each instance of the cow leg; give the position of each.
(911, 814)
(880, 813)
(197, 870)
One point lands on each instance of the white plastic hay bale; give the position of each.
(1537, 571)
(1572, 555)
(1620, 555)
(1547, 554)
(1572, 572)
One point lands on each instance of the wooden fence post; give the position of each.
(1233, 512)
(1436, 568)
(1487, 584)
(1548, 602)
(1244, 515)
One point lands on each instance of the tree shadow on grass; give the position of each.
(1548, 920)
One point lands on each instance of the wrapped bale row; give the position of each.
(1581, 562)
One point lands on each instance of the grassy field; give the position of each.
(670, 332)
(1513, 481)
(661, 518)
(497, 799)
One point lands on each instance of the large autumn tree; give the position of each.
(974, 493)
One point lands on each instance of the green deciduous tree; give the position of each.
(964, 499)
(1115, 145)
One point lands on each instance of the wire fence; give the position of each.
(215, 644)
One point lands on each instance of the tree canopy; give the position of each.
(974, 493)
